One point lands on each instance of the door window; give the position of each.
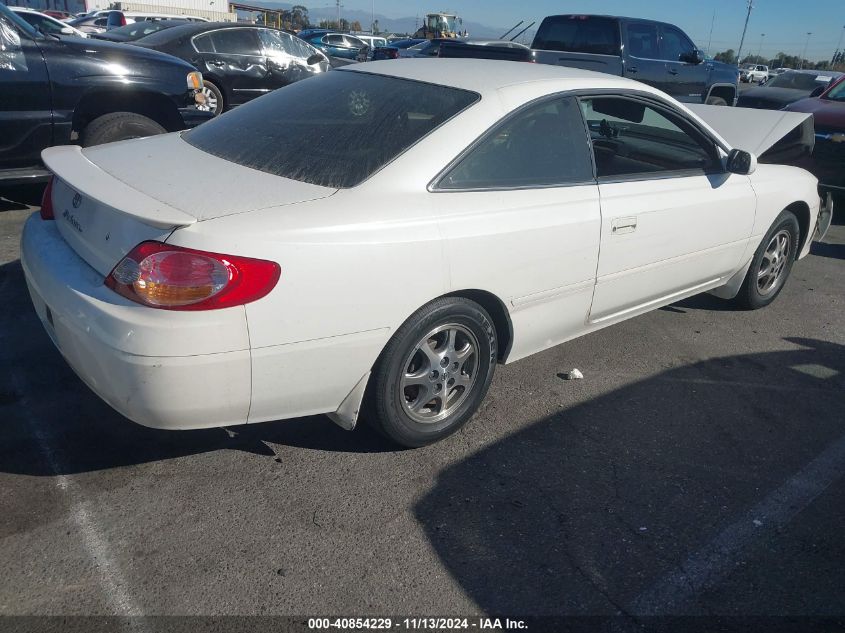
(631, 138)
(334, 40)
(643, 40)
(235, 41)
(275, 42)
(675, 44)
(541, 146)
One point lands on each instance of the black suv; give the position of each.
(60, 89)
(656, 53)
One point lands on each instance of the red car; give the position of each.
(59, 15)
(827, 161)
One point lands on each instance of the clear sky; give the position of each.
(785, 25)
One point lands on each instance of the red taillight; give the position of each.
(392, 53)
(47, 201)
(122, 19)
(174, 278)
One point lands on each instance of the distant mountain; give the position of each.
(386, 24)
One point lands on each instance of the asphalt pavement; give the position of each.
(697, 469)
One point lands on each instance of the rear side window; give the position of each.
(334, 130)
(203, 43)
(540, 146)
(579, 34)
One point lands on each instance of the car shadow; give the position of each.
(585, 511)
(823, 249)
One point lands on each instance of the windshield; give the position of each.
(443, 23)
(333, 130)
(43, 23)
(16, 20)
(837, 93)
(799, 81)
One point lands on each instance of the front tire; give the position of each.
(433, 373)
(718, 101)
(213, 98)
(119, 126)
(771, 264)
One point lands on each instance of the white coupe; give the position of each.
(380, 237)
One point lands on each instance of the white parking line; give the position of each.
(114, 585)
(675, 592)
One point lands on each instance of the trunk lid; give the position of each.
(108, 199)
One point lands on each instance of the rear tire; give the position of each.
(119, 126)
(433, 373)
(771, 264)
(717, 101)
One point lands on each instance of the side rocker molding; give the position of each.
(346, 415)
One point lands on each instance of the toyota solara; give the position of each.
(379, 239)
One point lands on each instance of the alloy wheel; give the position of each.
(439, 373)
(774, 262)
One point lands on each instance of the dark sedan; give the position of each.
(238, 62)
(827, 162)
(137, 30)
(391, 51)
(787, 88)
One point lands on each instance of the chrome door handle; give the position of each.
(632, 70)
(672, 71)
(619, 226)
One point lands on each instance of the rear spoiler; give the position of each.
(773, 135)
(68, 163)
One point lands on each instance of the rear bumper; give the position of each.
(192, 117)
(101, 337)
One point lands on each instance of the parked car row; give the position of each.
(239, 62)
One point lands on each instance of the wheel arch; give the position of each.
(802, 212)
(152, 105)
(495, 307)
(728, 92)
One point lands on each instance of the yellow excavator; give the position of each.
(438, 25)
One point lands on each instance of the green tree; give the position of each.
(355, 26)
(728, 56)
(299, 17)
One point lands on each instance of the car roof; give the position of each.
(195, 28)
(486, 76)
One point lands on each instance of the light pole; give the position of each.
(760, 50)
(804, 52)
(744, 29)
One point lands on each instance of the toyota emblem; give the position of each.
(77, 200)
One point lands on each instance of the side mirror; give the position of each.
(817, 91)
(694, 56)
(314, 59)
(741, 162)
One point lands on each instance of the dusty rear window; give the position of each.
(334, 130)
